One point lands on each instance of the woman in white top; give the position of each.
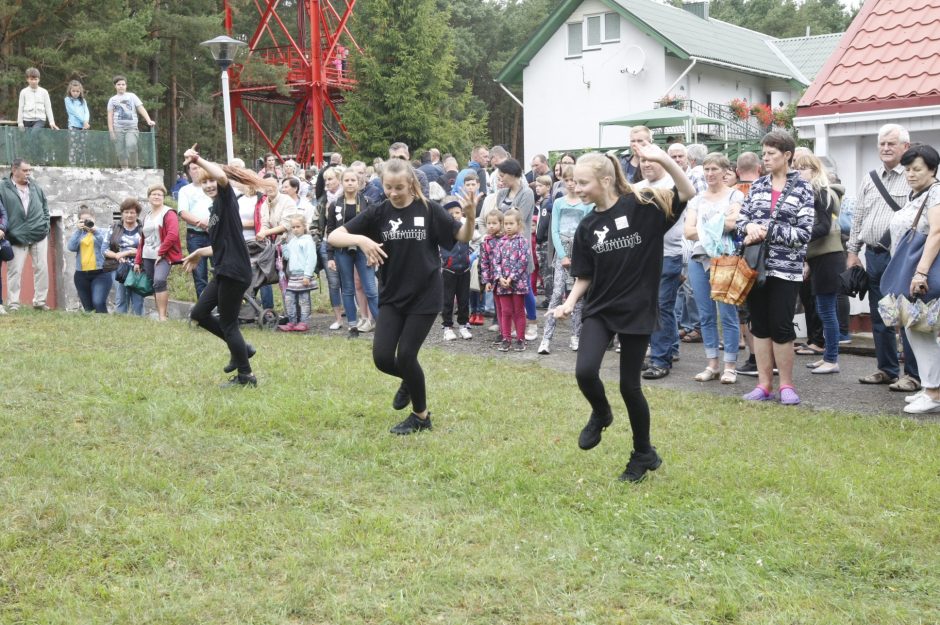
(709, 220)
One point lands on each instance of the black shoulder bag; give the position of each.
(755, 254)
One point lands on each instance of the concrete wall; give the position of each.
(102, 190)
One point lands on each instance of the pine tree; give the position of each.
(407, 85)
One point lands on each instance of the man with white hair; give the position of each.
(883, 191)
(695, 156)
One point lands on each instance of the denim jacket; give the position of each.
(101, 241)
(788, 230)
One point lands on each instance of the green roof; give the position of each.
(683, 34)
(808, 54)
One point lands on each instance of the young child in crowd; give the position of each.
(510, 266)
(541, 228)
(471, 184)
(494, 231)
(300, 252)
(35, 106)
(455, 270)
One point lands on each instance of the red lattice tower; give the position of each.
(316, 74)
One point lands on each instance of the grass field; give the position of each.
(132, 490)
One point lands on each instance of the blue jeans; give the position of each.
(687, 306)
(826, 309)
(93, 288)
(663, 339)
(332, 279)
(709, 310)
(195, 240)
(346, 261)
(124, 298)
(530, 312)
(886, 345)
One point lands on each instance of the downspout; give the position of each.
(510, 94)
(682, 75)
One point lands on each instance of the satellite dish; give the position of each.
(635, 61)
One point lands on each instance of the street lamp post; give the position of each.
(223, 50)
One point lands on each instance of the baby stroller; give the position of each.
(264, 257)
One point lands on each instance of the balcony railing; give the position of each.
(78, 148)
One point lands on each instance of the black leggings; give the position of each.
(595, 337)
(398, 337)
(226, 295)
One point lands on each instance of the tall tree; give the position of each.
(406, 82)
(785, 18)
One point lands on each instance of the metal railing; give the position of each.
(78, 148)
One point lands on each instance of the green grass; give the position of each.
(134, 491)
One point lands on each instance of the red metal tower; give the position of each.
(316, 72)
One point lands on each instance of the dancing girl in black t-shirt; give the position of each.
(402, 235)
(617, 258)
(230, 264)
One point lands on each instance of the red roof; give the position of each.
(888, 59)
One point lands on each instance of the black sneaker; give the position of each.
(504, 346)
(591, 434)
(412, 424)
(639, 464)
(240, 381)
(353, 333)
(231, 366)
(748, 368)
(402, 397)
(519, 346)
(655, 373)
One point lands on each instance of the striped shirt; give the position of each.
(872, 214)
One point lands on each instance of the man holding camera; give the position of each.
(28, 232)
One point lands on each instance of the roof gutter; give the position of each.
(510, 94)
(741, 68)
(682, 75)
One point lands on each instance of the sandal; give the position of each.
(878, 377)
(729, 376)
(788, 396)
(810, 350)
(905, 384)
(706, 376)
(692, 337)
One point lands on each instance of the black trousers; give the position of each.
(595, 337)
(398, 338)
(456, 285)
(226, 295)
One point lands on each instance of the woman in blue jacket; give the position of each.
(92, 282)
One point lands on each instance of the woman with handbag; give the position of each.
(159, 247)
(777, 214)
(922, 214)
(709, 220)
(123, 241)
(92, 278)
(6, 250)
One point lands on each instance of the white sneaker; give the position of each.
(465, 333)
(3, 310)
(336, 325)
(544, 347)
(910, 399)
(365, 325)
(573, 343)
(449, 334)
(493, 328)
(922, 405)
(531, 332)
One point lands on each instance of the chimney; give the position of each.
(697, 7)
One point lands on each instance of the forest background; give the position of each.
(425, 73)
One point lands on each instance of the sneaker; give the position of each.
(3, 310)
(655, 373)
(286, 327)
(402, 397)
(240, 381)
(639, 464)
(493, 328)
(590, 435)
(412, 424)
(519, 346)
(845, 339)
(301, 327)
(465, 333)
(747, 368)
(498, 340)
(353, 333)
(758, 394)
(41, 307)
(476, 319)
(531, 332)
(14, 307)
(617, 345)
(449, 334)
(504, 345)
(573, 343)
(788, 396)
(231, 366)
(336, 325)
(543, 347)
(910, 399)
(924, 404)
(366, 325)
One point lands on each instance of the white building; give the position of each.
(599, 60)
